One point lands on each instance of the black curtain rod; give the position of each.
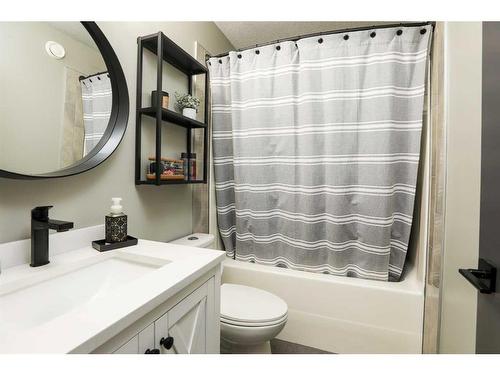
(338, 31)
(81, 78)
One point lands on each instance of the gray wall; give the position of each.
(158, 213)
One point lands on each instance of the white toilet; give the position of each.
(249, 317)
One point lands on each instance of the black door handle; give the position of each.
(152, 351)
(484, 278)
(167, 342)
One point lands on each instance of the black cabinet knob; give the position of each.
(167, 342)
(152, 351)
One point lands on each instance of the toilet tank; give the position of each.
(196, 239)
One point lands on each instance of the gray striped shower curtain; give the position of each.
(97, 99)
(316, 150)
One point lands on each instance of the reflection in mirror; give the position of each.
(55, 95)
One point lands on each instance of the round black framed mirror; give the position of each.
(65, 105)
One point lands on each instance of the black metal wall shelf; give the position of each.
(172, 54)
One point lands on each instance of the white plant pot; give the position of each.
(189, 112)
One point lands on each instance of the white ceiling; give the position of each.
(246, 34)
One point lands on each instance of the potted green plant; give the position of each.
(187, 104)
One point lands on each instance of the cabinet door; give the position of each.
(186, 323)
(147, 339)
(161, 332)
(138, 344)
(130, 347)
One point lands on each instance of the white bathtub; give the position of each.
(341, 314)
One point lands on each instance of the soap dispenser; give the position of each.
(116, 223)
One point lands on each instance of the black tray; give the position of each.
(102, 245)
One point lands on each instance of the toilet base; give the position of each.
(227, 347)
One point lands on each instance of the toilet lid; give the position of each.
(244, 304)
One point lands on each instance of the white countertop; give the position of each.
(90, 325)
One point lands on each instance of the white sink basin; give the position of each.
(41, 298)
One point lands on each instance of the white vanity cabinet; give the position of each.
(187, 323)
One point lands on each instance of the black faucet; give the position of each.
(40, 225)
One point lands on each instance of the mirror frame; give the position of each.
(118, 119)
